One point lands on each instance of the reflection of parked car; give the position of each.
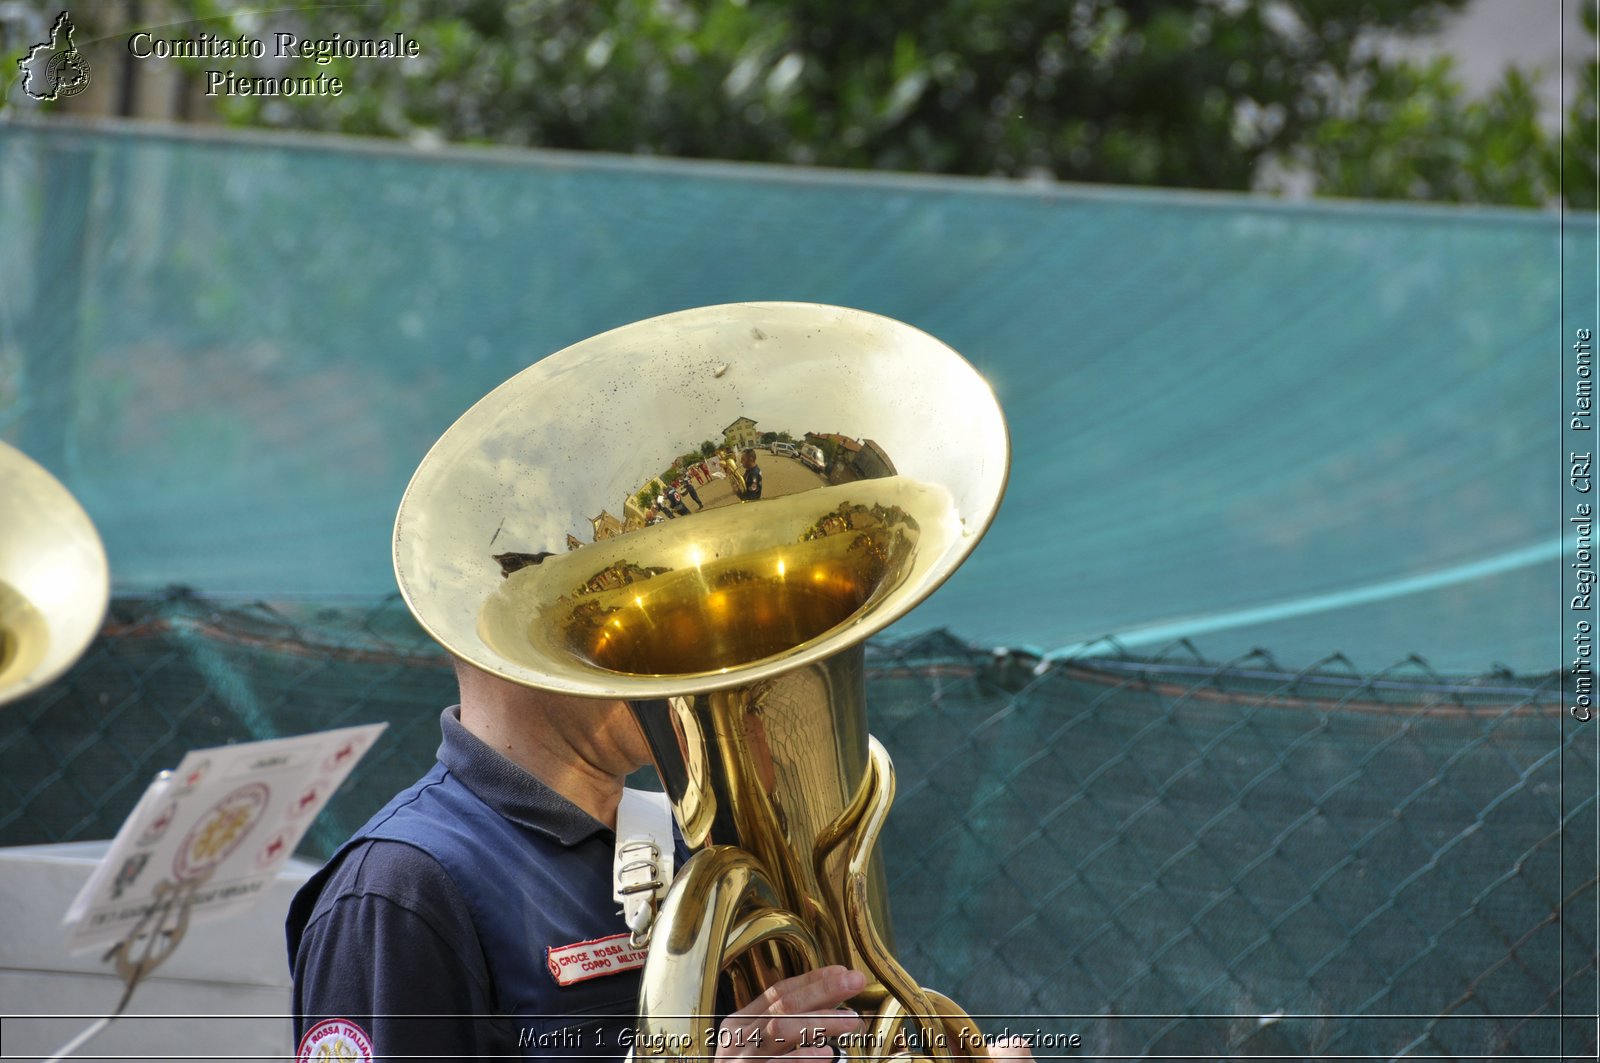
(812, 456)
(786, 449)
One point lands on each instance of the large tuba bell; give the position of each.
(54, 580)
(734, 630)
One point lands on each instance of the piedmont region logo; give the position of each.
(55, 69)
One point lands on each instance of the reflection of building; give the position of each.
(872, 462)
(605, 526)
(848, 517)
(853, 459)
(619, 575)
(741, 434)
(844, 448)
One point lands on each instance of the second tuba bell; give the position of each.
(54, 580)
(591, 528)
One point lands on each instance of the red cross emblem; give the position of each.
(340, 755)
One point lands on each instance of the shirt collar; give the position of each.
(509, 789)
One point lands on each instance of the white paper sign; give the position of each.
(221, 824)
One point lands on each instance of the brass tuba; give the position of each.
(735, 631)
(54, 580)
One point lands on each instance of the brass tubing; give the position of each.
(858, 911)
(884, 1029)
(836, 832)
(962, 1032)
(678, 986)
(769, 925)
(749, 798)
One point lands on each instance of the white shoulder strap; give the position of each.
(642, 868)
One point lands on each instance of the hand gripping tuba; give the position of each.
(539, 541)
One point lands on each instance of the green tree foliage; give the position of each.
(1189, 93)
(1578, 160)
(1171, 92)
(1414, 135)
(1409, 131)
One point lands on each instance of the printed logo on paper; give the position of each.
(343, 755)
(277, 849)
(55, 69)
(129, 874)
(583, 960)
(158, 828)
(220, 830)
(335, 1041)
(196, 775)
(306, 802)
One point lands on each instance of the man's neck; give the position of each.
(567, 744)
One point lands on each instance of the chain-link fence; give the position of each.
(1160, 856)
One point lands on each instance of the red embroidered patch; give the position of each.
(583, 960)
(338, 1039)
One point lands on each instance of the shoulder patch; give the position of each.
(335, 1039)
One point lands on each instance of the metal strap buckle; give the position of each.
(649, 863)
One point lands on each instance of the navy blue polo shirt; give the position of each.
(441, 927)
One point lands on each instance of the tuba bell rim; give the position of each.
(708, 345)
(61, 589)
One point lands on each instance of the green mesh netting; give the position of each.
(1314, 428)
(1166, 856)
